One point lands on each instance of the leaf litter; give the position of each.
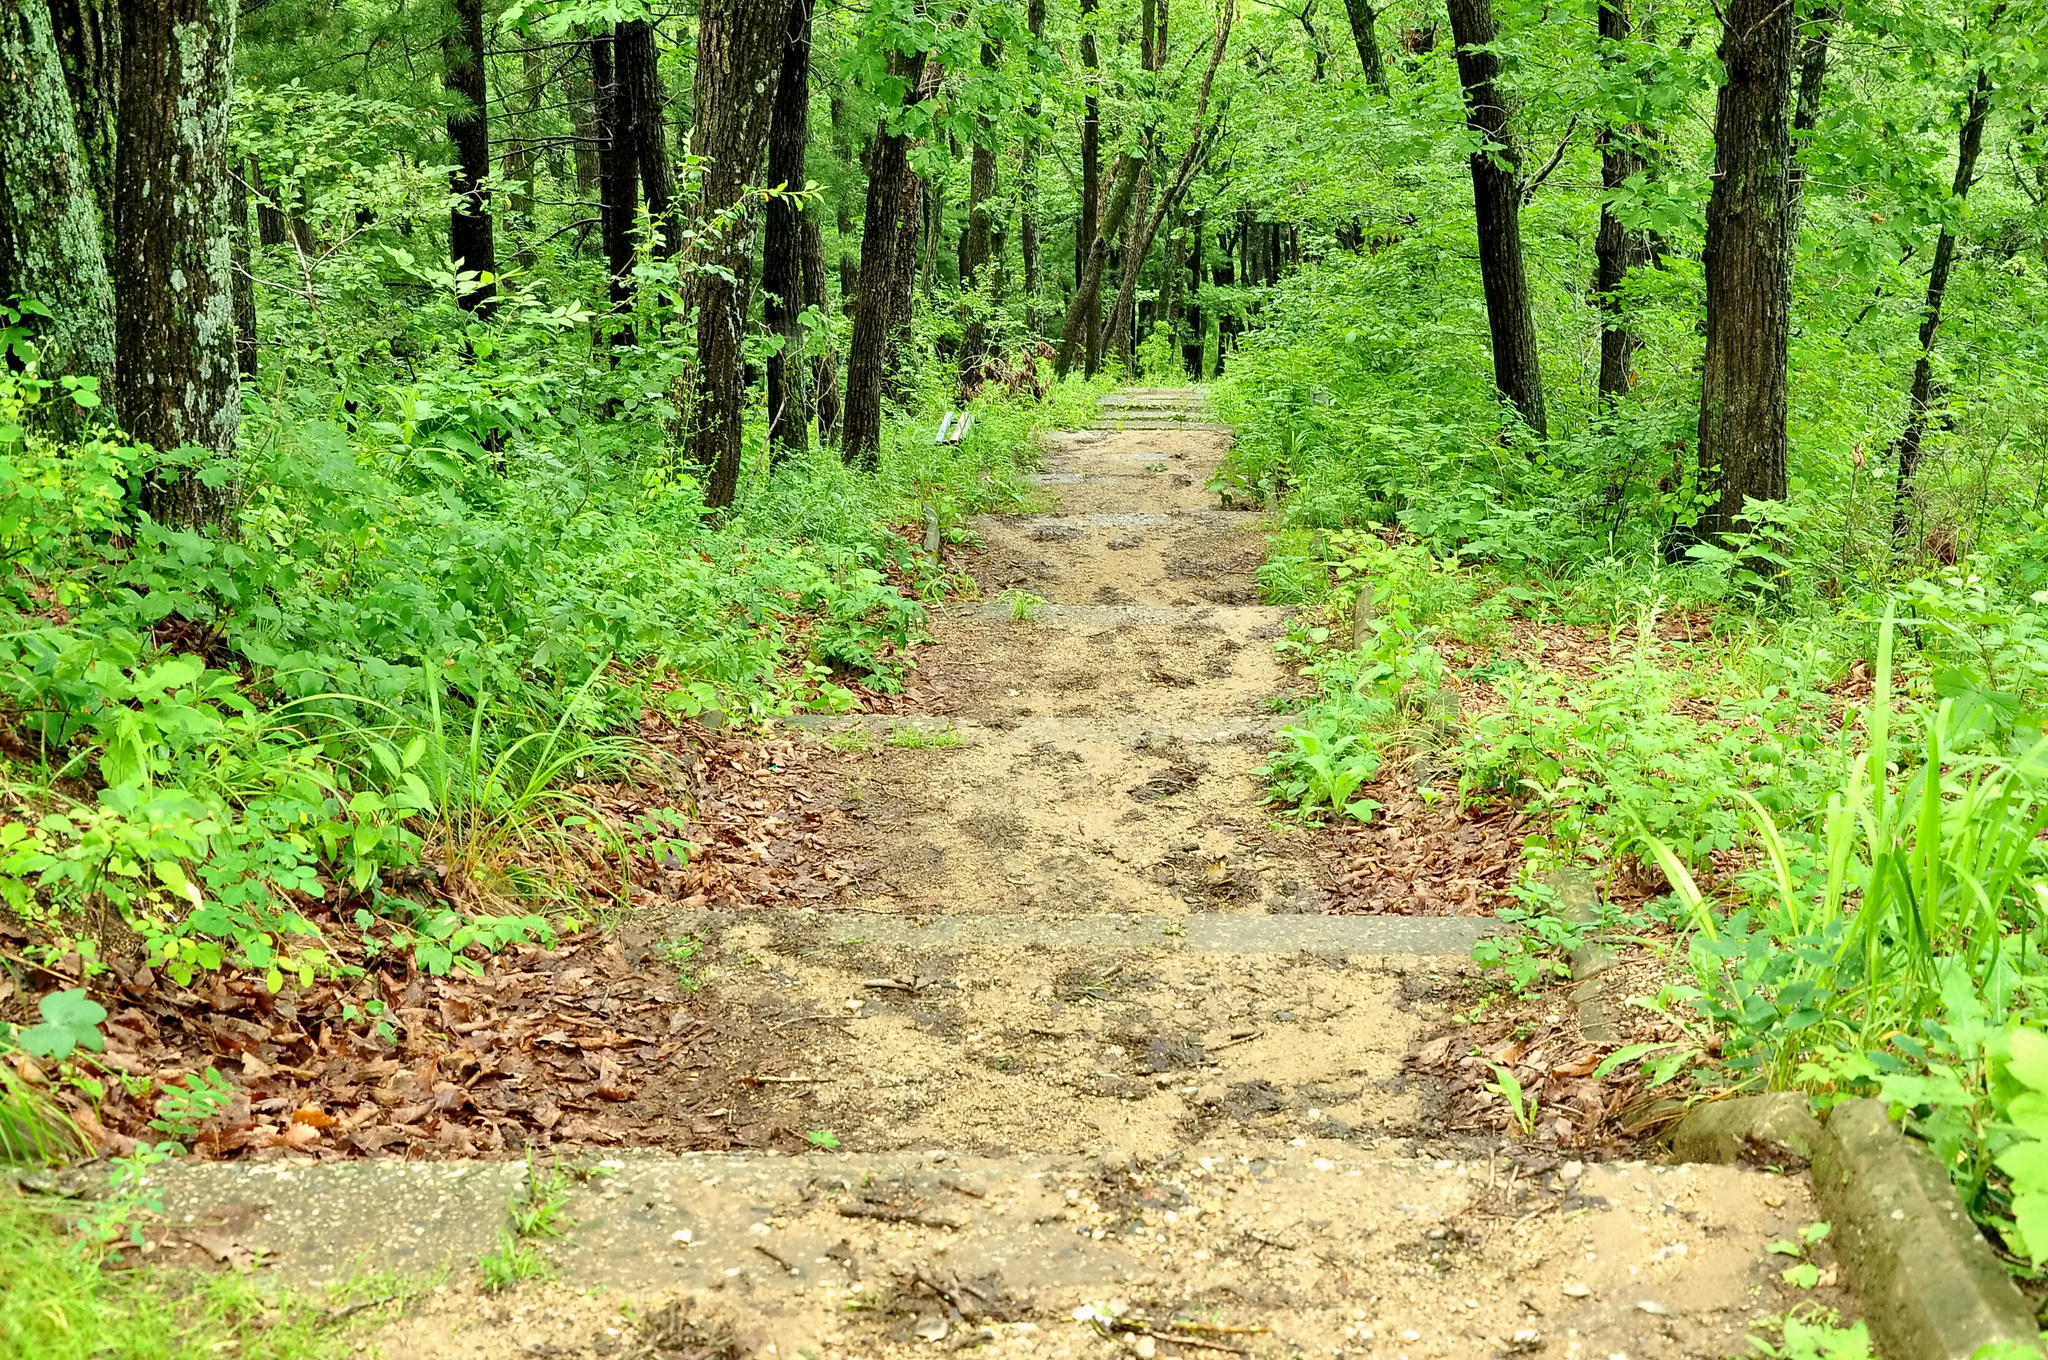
(595, 1041)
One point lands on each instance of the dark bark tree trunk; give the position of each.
(50, 233)
(1027, 190)
(739, 43)
(640, 95)
(88, 38)
(903, 285)
(173, 282)
(1497, 202)
(842, 211)
(1198, 320)
(825, 363)
(618, 163)
(1813, 70)
(782, 259)
(893, 209)
(1365, 32)
(581, 85)
(1748, 266)
(978, 235)
(1617, 249)
(1090, 227)
(1146, 226)
(1908, 448)
(470, 242)
(271, 227)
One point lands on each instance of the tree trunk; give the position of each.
(842, 208)
(173, 281)
(640, 94)
(903, 281)
(245, 283)
(1813, 70)
(88, 38)
(1027, 189)
(978, 235)
(892, 210)
(1090, 227)
(1198, 320)
(581, 85)
(271, 227)
(1907, 449)
(1116, 338)
(1617, 249)
(469, 128)
(782, 261)
(824, 364)
(1077, 338)
(738, 45)
(1748, 267)
(50, 238)
(1364, 31)
(520, 160)
(618, 161)
(1497, 203)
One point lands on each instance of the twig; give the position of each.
(889, 1215)
(1260, 1237)
(1236, 1039)
(1177, 1338)
(1217, 1329)
(789, 1081)
(773, 1257)
(957, 1188)
(350, 1310)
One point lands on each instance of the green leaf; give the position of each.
(2029, 1061)
(71, 1021)
(1805, 1275)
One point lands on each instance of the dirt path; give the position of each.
(1083, 1040)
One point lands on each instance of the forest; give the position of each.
(416, 412)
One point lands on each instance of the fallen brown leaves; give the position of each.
(1539, 1042)
(576, 1046)
(591, 1043)
(1416, 859)
(761, 815)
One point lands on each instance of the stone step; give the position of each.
(1200, 932)
(1078, 478)
(1137, 519)
(1230, 618)
(1125, 729)
(1191, 423)
(1259, 1247)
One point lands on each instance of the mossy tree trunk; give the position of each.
(177, 381)
(50, 239)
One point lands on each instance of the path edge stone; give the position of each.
(1929, 1284)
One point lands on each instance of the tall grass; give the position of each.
(1861, 927)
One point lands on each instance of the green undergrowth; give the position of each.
(451, 598)
(1834, 769)
(65, 1300)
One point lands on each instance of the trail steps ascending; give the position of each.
(1086, 1037)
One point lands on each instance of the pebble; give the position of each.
(1575, 1290)
(1653, 1308)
